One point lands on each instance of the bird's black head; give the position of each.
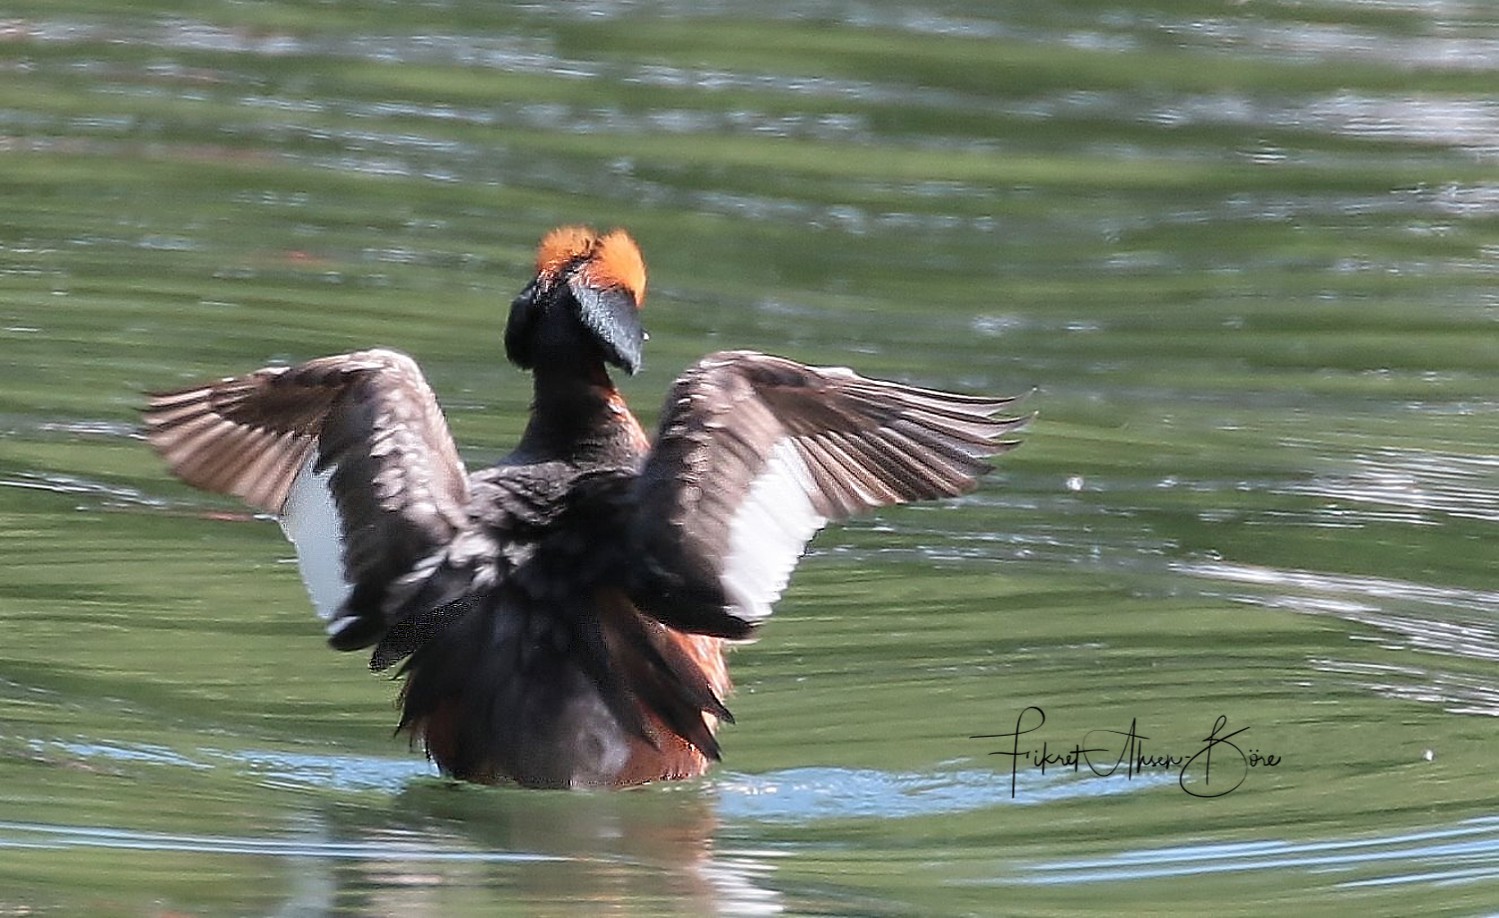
(588, 291)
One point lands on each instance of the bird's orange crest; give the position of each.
(562, 246)
(616, 262)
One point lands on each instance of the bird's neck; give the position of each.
(579, 416)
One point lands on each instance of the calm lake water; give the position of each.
(1245, 254)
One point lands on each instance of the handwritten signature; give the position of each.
(1220, 766)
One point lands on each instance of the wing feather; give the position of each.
(756, 453)
(351, 448)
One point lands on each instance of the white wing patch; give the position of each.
(310, 520)
(769, 532)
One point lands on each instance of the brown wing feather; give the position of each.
(397, 482)
(755, 453)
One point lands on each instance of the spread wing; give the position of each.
(353, 456)
(756, 453)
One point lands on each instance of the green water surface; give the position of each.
(1245, 254)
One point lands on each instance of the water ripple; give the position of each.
(1456, 693)
(1317, 43)
(805, 795)
(1365, 600)
(1416, 481)
(337, 772)
(1408, 858)
(53, 837)
(108, 495)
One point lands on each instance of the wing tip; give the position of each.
(352, 632)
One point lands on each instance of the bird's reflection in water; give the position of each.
(450, 846)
